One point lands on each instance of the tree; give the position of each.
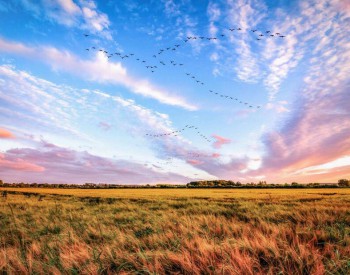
(1, 182)
(344, 183)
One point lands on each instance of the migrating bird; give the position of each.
(282, 36)
(268, 31)
(86, 35)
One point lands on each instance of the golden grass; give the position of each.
(186, 193)
(175, 231)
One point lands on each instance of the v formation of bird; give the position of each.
(157, 58)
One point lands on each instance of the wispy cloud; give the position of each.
(79, 14)
(98, 69)
(49, 108)
(318, 129)
(245, 14)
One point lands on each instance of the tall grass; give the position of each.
(263, 232)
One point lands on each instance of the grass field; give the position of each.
(175, 231)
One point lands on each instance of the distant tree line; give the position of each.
(193, 184)
(263, 184)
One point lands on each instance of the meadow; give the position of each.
(175, 231)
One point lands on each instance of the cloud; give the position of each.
(245, 14)
(29, 100)
(279, 107)
(52, 109)
(10, 164)
(62, 165)
(98, 69)
(194, 162)
(79, 14)
(6, 134)
(213, 11)
(220, 141)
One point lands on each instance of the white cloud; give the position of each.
(213, 11)
(245, 14)
(99, 69)
(82, 14)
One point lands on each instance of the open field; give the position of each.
(176, 231)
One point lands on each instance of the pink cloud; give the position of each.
(5, 133)
(18, 164)
(216, 155)
(317, 133)
(194, 162)
(63, 165)
(220, 141)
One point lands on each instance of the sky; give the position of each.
(136, 92)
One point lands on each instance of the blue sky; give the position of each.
(68, 114)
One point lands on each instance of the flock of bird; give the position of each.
(152, 67)
(159, 60)
(176, 133)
